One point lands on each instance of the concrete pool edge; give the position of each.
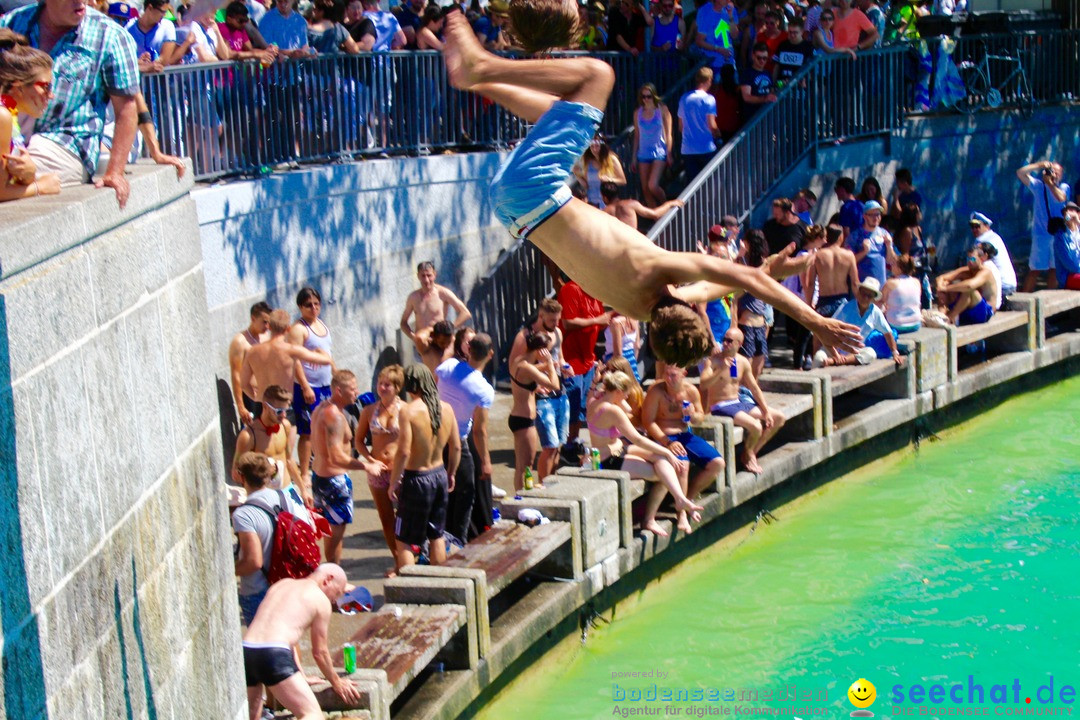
(548, 612)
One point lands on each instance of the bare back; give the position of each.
(426, 448)
(834, 265)
(288, 610)
(271, 364)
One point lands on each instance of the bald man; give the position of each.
(290, 608)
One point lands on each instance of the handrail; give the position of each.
(241, 117)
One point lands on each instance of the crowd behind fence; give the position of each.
(242, 117)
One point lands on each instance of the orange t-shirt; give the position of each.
(846, 31)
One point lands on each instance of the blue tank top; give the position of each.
(651, 143)
(664, 34)
(592, 174)
(317, 375)
(719, 318)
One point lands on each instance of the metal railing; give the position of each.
(1051, 60)
(241, 117)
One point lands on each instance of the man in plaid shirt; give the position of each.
(94, 62)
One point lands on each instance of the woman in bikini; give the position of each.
(380, 419)
(622, 447)
(529, 371)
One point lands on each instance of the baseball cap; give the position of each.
(872, 206)
(978, 217)
(122, 10)
(716, 233)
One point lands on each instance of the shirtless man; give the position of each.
(435, 344)
(429, 304)
(610, 260)
(331, 447)
(663, 415)
(275, 361)
(421, 485)
(971, 294)
(628, 211)
(256, 332)
(289, 609)
(836, 271)
(724, 372)
(275, 437)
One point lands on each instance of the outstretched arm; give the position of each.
(722, 276)
(657, 212)
(462, 314)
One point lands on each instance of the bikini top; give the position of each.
(377, 428)
(610, 433)
(525, 386)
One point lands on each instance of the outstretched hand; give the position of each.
(838, 335)
(783, 265)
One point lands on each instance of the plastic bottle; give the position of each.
(594, 457)
(686, 413)
(528, 482)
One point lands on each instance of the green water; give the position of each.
(961, 559)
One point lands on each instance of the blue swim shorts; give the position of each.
(698, 450)
(530, 186)
(731, 408)
(553, 420)
(302, 411)
(333, 496)
(977, 315)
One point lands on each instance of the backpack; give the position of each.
(294, 550)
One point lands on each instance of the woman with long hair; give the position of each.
(326, 33)
(25, 87)
(652, 140)
(599, 164)
(752, 310)
(380, 421)
(622, 447)
(533, 369)
(870, 190)
(623, 338)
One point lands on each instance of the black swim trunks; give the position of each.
(268, 664)
(422, 500)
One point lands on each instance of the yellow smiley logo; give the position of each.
(862, 693)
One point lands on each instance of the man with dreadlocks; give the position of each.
(421, 485)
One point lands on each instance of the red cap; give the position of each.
(717, 233)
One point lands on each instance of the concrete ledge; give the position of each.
(628, 492)
(42, 227)
(598, 503)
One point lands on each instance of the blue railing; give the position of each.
(241, 117)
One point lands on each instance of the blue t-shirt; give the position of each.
(151, 42)
(1066, 255)
(485, 28)
(873, 320)
(288, 33)
(720, 29)
(1040, 202)
(851, 214)
(873, 265)
(694, 109)
(386, 27)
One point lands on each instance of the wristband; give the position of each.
(144, 117)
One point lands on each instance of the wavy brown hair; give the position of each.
(542, 25)
(677, 333)
(19, 63)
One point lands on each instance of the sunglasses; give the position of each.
(825, 19)
(646, 96)
(728, 341)
(276, 410)
(45, 85)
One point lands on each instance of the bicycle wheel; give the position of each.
(977, 85)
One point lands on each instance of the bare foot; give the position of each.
(683, 524)
(751, 464)
(694, 511)
(390, 572)
(462, 52)
(653, 527)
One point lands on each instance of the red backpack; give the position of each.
(294, 552)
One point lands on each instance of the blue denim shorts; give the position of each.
(553, 420)
(530, 186)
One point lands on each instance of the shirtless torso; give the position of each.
(836, 271)
(289, 609)
(241, 343)
(329, 426)
(425, 448)
(274, 362)
(623, 212)
(718, 381)
(429, 307)
(665, 405)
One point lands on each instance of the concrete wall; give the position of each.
(355, 232)
(959, 163)
(117, 594)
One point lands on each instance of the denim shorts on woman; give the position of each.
(530, 186)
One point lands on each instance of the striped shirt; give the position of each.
(90, 62)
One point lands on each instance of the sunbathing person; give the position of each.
(610, 260)
(608, 424)
(723, 374)
(970, 295)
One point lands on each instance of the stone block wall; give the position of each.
(118, 599)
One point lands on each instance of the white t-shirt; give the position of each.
(151, 42)
(1002, 261)
(694, 109)
(464, 389)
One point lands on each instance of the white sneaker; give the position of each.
(497, 492)
(819, 358)
(865, 356)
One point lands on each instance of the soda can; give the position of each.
(594, 457)
(349, 651)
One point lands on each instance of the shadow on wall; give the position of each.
(24, 681)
